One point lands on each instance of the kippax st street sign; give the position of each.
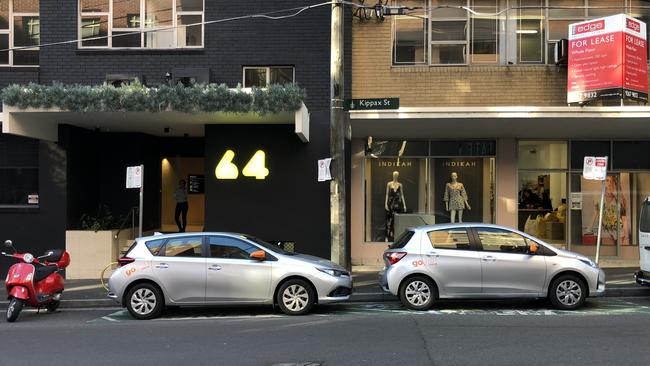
(371, 104)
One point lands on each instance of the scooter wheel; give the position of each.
(52, 306)
(14, 309)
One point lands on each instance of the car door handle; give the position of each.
(162, 265)
(489, 258)
(433, 254)
(215, 267)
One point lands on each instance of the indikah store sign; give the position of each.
(607, 58)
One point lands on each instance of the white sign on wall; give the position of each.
(595, 168)
(134, 176)
(324, 173)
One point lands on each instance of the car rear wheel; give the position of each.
(418, 293)
(296, 297)
(567, 292)
(144, 301)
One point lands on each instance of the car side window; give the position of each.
(184, 247)
(499, 240)
(226, 247)
(450, 239)
(155, 245)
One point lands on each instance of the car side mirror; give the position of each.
(533, 248)
(259, 255)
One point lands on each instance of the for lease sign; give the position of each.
(607, 57)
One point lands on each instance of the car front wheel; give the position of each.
(567, 292)
(418, 293)
(144, 301)
(296, 297)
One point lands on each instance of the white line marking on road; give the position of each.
(109, 319)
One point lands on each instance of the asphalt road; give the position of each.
(608, 331)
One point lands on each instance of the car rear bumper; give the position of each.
(383, 281)
(642, 278)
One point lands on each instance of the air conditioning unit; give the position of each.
(562, 52)
(118, 80)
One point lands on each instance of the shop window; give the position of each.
(543, 205)
(19, 170)
(19, 27)
(261, 77)
(404, 190)
(542, 195)
(158, 24)
(542, 155)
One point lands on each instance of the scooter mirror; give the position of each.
(9, 243)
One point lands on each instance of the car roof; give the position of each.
(457, 226)
(180, 235)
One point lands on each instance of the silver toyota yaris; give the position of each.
(222, 268)
(463, 261)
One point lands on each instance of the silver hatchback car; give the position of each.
(222, 268)
(462, 261)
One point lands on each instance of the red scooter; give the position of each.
(34, 282)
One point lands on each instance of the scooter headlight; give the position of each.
(28, 258)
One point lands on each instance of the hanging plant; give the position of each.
(139, 98)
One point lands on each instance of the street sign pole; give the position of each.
(600, 221)
(141, 201)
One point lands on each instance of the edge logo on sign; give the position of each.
(256, 166)
(607, 58)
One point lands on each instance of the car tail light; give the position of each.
(394, 257)
(124, 261)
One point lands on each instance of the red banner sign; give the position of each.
(607, 58)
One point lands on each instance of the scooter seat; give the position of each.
(42, 272)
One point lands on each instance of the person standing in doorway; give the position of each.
(180, 195)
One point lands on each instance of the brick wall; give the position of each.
(374, 76)
(302, 41)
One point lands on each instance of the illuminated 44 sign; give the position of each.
(256, 166)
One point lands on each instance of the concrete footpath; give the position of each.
(90, 293)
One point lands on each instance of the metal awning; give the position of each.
(497, 122)
(43, 123)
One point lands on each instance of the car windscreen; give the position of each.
(402, 240)
(644, 222)
(270, 247)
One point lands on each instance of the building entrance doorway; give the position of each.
(191, 170)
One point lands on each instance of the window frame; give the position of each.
(479, 242)
(142, 28)
(32, 165)
(468, 231)
(507, 37)
(163, 249)
(209, 251)
(268, 73)
(11, 35)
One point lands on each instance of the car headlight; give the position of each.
(28, 258)
(332, 271)
(588, 262)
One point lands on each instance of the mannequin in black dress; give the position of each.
(394, 203)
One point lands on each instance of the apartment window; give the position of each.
(19, 170)
(262, 76)
(440, 32)
(156, 24)
(19, 27)
(410, 35)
